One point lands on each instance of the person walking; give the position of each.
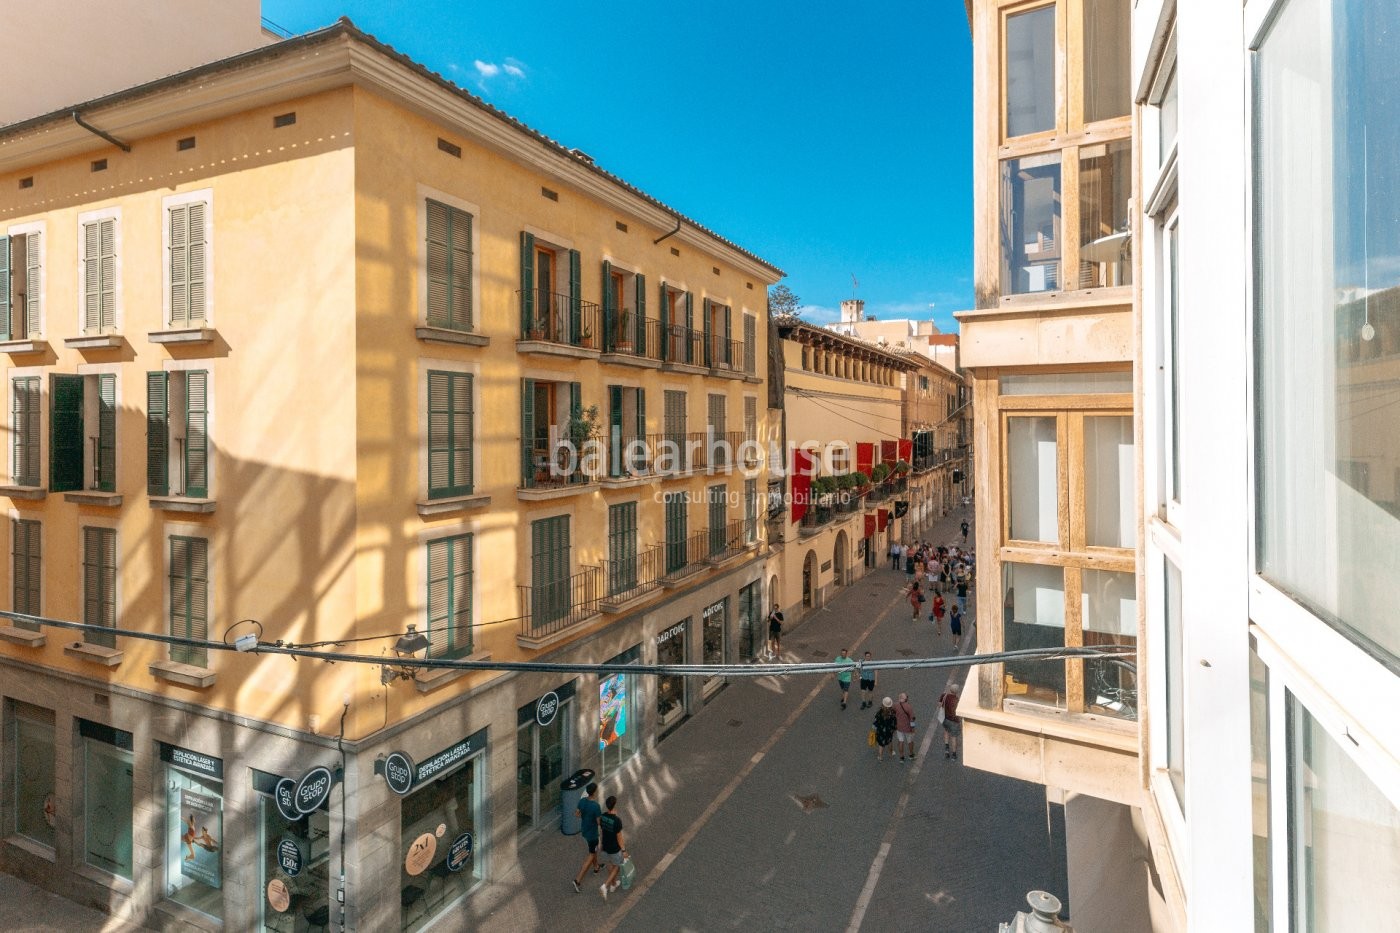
(775, 632)
(937, 615)
(909, 563)
(867, 683)
(962, 591)
(916, 599)
(896, 552)
(843, 676)
(904, 726)
(588, 812)
(955, 624)
(613, 845)
(952, 724)
(884, 728)
(965, 529)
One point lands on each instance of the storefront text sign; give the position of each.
(459, 853)
(199, 763)
(420, 854)
(402, 775)
(278, 897)
(445, 760)
(290, 857)
(285, 793)
(314, 789)
(547, 708)
(398, 772)
(670, 633)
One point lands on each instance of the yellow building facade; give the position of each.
(290, 354)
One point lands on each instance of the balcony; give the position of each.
(632, 341)
(850, 501)
(630, 580)
(683, 350)
(548, 611)
(731, 540)
(630, 456)
(726, 357)
(564, 468)
(817, 516)
(559, 325)
(685, 557)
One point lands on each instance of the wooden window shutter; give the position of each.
(610, 310)
(728, 336)
(66, 438)
(449, 267)
(107, 265)
(24, 430)
(642, 413)
(527, 432)
(463, 424)
(157, 434)
(179, 264)
(26, 575)
(189, 598)
(106, 467)
(198, 250)
(750, 344)
(641, 290)
(197, 434)
(527, 283)
(616, 442)
(575, 297)
(99, 583)
(33, 283)
(706, 313)
(450, 417)
(92, 278)
(449, 597)
(5, 288)
(689, 328)
(459, 275)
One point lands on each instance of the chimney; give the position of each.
(852, 311)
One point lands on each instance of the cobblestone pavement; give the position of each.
(768, 811)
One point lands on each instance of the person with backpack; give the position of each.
(588, 813)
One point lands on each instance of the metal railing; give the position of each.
(729, 539)
(559, 466)
(628, 579)
(683, 345)
(626, 335)
(552, 606)
(817, 515)
(725, 354)
(555, 318)
(685, 555)
(632, 454)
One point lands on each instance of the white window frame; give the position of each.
(424, 194)
(178, 200)
(40, 227)
(210, 426)
(472, 369)
(118, 304)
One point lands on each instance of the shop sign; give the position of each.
(459, 853)
(547, 708)
(314, 789)
(672, 632)
(712, 610)
(202, 817)
(192, 761)
(420, 854)
(291, 858)
(285, 794)
(279, 898)
(826, 565)
(612, 709)
(398, 772)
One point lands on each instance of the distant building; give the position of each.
(920, 336)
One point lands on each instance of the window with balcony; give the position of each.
(100, 584)
(674, 426)
(675, 513)
(1031, 230)
(552, 309)
(449, 606)
(717, 429)
(1030, 71)
(750, 345)
(720, 348)
(677, 312)
(189, 598)
(448, 254)
(549, 570)
(717, 499)
(21, 285)
(451, 424)
(629, 451)
(622, 548)
(626, 330)
(556, 434)
(24, 431)
(177, 433)
(83, 442)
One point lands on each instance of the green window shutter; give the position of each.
(549, 580)
(449, 597)
(622, 547)
(728, 336)
(99, 583)
(641, 290)
(706, 312)
(450, 417)
(527, 432)
(189, 598)
(616, 442)
(463, 425)
(26, 574)
(4, 288)
(527, 283)
(33, 283)
(575, 297)
(196, 434)
(663, 313)
(689, 328)
(750, 344)
(642, 413)
(180, 264)
(157, 434)
(575, 400)
(66, 434)
(610, 310)
(107, 432)
(460, 277)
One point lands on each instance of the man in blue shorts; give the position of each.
(588, 812)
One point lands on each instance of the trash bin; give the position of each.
(571, 790)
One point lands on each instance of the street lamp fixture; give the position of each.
(408, 645)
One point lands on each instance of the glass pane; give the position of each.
(1166, 118)
(430, 819)
(1030, 224)
(1110, 516)
(1106, 48)
(1033, 476)
(1114, 383)
(1175, 374)
(107, 790)
(1109, 604)
(310, 889)
(1329, 314)
(34, 805)
(1105, 241)
(1259, 802)
(1033, 616)
(1344, 836)
(1030, 71)
(194, 841)
(554, 757)
(1176, 723)
(670, 689)
(525, 777)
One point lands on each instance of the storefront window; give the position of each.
(294, 864)
(750, 643)
(31, 744)
(1328, 313)
(544, 752)
(439, 860)
(712, 624)
(194, 829)
(107, 798)
(1109, 618)
(1034, 617)
(670, 688)
(619, 732)
(1030, 224)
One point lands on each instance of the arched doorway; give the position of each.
(809, 580)
(838, 559)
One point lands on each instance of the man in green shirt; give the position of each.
(843, 676)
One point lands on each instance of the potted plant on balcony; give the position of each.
(901, 468)
(585, 337)
(859, 481)
(822, 489)
(580, 429)
(880, 473)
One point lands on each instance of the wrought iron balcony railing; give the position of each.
(554, 605)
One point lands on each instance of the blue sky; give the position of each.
(831, 138)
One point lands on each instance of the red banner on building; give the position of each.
(889, 452)
(803, 466)
(870, 526)
(884, 518)
(865, 457)
(906, 450)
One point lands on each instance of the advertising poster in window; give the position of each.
(202, 818)
(612, 715)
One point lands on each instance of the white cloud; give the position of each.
(513, 68)
(487, 69)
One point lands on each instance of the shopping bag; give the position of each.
(627, 874)
(870, 739)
